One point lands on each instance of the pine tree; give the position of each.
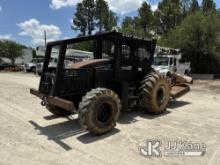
(185, 8)
(79, 22)
(90, 14)
(194, 6)
(84, 17)
(208, 5)
(128, 26)
(112, 21)
(170, 14)
(106, 19)
(102, 14)
(145, 16)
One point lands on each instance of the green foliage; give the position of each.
(84, 17)
(198, 37)
(106, 19)
(194, 6)
(140, 26)
(112, 21)
(131, 26)
(145, 17)
(10, 49)
(169, 14)
(208, 5)
(90, 14)
(84, 46)
(101, 13)
(79, 22)
(128, 25)
(176, 23)
(185, 7)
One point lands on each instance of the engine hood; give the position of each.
(89, 63)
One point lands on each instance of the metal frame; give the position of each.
(117, 80)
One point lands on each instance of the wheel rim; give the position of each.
(104, 113)
(160, 95)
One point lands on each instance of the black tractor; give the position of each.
(117, 77)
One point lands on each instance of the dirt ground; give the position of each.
(31, 135)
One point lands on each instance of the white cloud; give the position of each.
(71, 21)
(57, 4)
(34, 29)
(124, 6)
(6, 37)
(119, 6)
(154, 7)
(0, 8)
(67, 37)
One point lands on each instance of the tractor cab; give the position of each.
(114, 59)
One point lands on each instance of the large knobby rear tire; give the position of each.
(99, 110)
(154, 93)
(57, 111)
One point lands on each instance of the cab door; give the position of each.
(127, 68)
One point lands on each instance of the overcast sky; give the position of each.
(25, 20)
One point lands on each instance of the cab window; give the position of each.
(174, 61)
(126, 52)
(143, 54)
(171, 61)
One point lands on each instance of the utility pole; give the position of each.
(45, 38)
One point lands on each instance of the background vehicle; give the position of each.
(31, 66)
(52, 64)
(4, 65)
(168, 61)
(119, 76)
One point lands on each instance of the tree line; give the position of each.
(91, 15)
(10, 50)
(184, 24)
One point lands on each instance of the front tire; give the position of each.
(154, 93)
(99, 110)
(33, 69)
(28, 70)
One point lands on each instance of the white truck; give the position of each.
(31, 66)
(168, 61)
